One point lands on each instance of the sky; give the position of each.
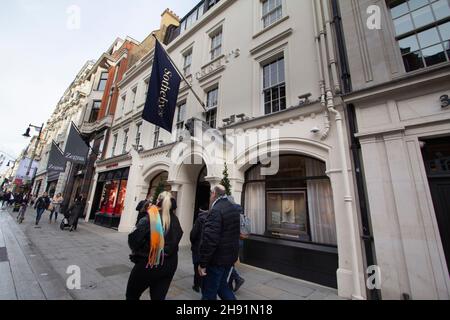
(44, 43)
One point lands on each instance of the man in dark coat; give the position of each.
(76, 211)
(196, 237)
(219, 247)
(42, 204)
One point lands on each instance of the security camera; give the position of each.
(315, 130)
(445, 101)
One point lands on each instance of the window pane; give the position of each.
(434, 55)
(445, 31)
(428, 38)
(268, 108)
(274, 74)
(413, 61)
(281, 71)
(409, 44)
(403, 25)
(441, 9)
(422, 17)
(415, 4)
(398, 9)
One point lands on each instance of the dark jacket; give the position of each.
(220, 240)
(139, 240)
(76, 211)
(42, 203)
(196, 236)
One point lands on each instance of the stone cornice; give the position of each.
(275, 39)
(415, 79)
(120, 158)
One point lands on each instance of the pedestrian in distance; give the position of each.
(11, 199)
(195, 237)
(56, 206)
(75, 212)
(154, 245)
(5, 198)
(41, 204)
(23, 209)
(219, 247)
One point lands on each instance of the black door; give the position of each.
(203, 193)
(440, 190)
(437, 162)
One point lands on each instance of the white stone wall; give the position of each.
(238, 73)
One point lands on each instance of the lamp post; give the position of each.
(27, 135)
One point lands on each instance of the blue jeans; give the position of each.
(40, 212)
(215, 283)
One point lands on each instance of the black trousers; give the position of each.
(197, 277)
(158, 280)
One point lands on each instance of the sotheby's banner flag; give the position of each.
(76, 148)
(163, 91)
(56, 160)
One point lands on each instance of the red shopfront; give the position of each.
(110, 197)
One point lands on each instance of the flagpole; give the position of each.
(184, 78)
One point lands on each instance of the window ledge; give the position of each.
(295, 244)
(273, 25)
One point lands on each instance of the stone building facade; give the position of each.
(400, 78)
(274, 72)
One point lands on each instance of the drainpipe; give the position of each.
(348, 199)
(323, 102)
(370, 253)
(331, 55)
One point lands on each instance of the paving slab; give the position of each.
(39, 258)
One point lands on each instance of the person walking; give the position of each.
(11, 199)
(154, 246)
(5, 198)
(41, 204)
(196, 236)
(56, 206)
(236, 281)
(219, 247)
(75, 212)
(23, 209)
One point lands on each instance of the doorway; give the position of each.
(202, 193)
(436, 154)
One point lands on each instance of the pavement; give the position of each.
(34, 265)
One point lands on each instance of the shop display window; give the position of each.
(287, 214)
(294, 204)
(113, 197)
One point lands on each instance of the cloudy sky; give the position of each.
(42, 50)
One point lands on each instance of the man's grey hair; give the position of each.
(220, 190)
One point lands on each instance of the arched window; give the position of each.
(295, 204)
(156, 181)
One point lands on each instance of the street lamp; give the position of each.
(27, 135)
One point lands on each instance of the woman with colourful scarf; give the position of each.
(154, 246)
